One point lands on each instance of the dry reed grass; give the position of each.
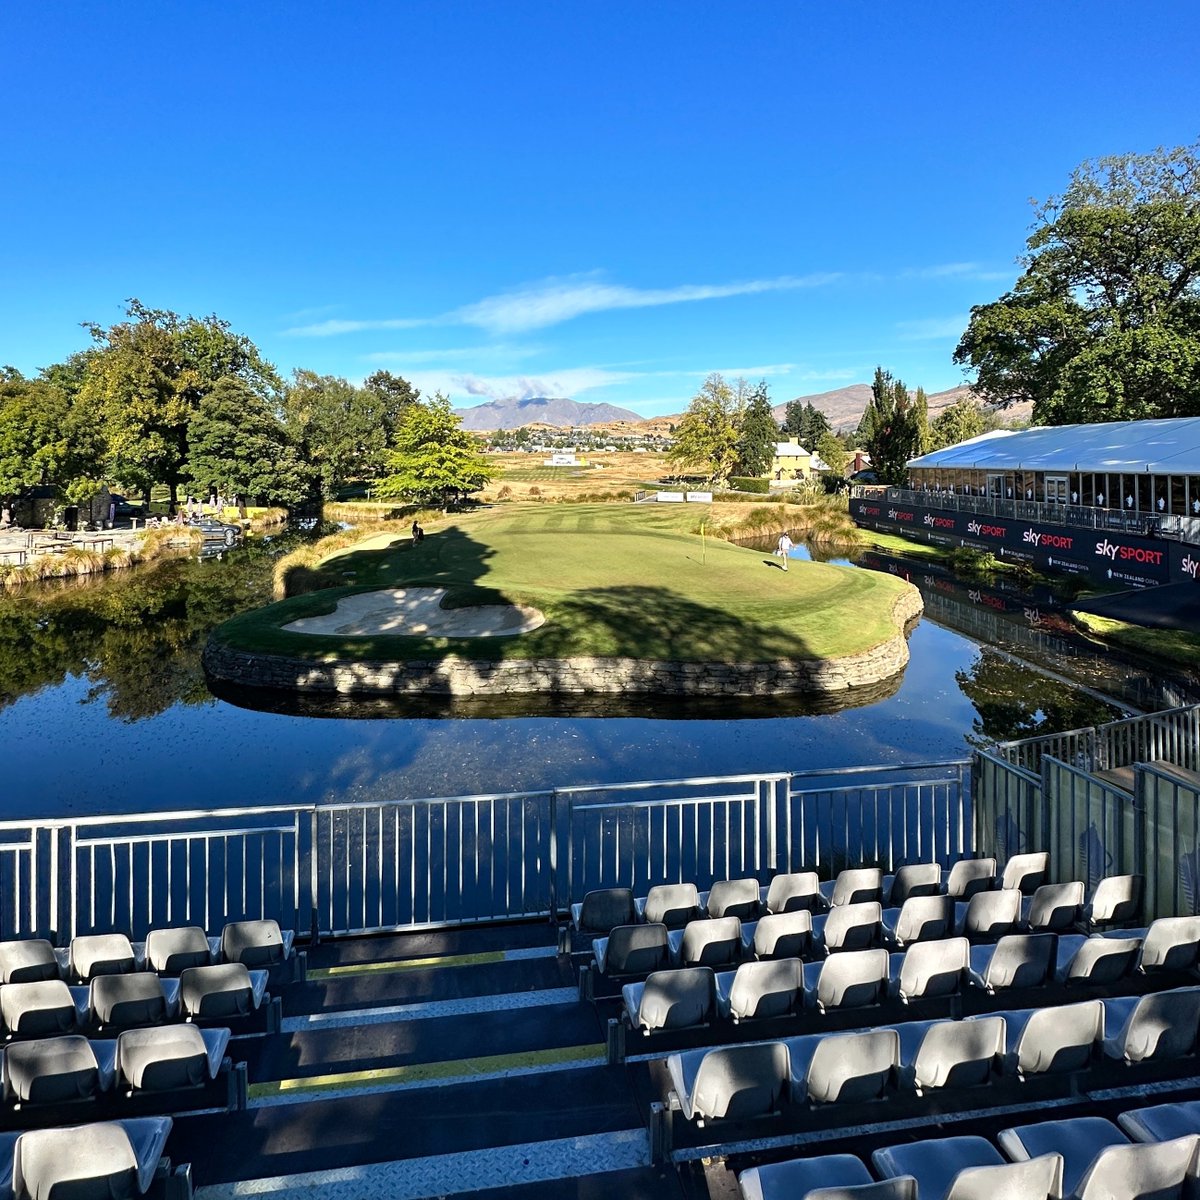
(825, 522)
(77, 561)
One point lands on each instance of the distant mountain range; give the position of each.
(541, 410)
(843, 407)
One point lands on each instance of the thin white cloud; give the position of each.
(976, 272)
(553, 301)
(932, 329)
(477, 388)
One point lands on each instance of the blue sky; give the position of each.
(601, 200)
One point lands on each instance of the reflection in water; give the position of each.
(103, 707)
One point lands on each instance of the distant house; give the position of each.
(791, 462)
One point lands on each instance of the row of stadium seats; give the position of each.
(112, 1003)
(110, 1160)
(690, 999)
(1154, 1155)
(63, 1070)
(740, 1082)
(721, 941)
(1114, 900)
(255, 944)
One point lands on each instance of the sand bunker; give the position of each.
(418, 612)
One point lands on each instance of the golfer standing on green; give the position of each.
(784, 548)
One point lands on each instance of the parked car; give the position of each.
(125, 509)
(867, 476)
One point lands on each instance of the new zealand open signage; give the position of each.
(1112, 557)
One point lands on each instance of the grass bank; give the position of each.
(613, 581)
(1173, 647)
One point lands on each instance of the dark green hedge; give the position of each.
(742, 483)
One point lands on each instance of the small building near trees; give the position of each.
(791, 463)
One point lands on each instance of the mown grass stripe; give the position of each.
(491, 1064)
(407, 964)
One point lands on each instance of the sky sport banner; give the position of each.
(1107, 557)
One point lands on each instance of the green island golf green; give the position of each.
(612, 582)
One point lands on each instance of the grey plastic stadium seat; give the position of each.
(760, 990)
(1161, 1026)
(843, 1068)
(919, 919)
(1020, 960)
(1025, 873)
(915, 879)
(27, 960)
(968, 877)
(1100, 1163)
(929, 969)
(1162, 1122)
(855, 885)
(95, 954)
(1095, 961)
(170, 1057)
(849, 927)
(602, 910)
(830, 1177)
(970, 1168)
(670, 904)
(126, 1001)
(38, 1009)
(730, 1083)
(255, 944)
(988, 915)
(852, 979)
(1117, 899)
(221, 991)
(110, 1160)
(940, 1054)
(682, 999)
(172, 951)
(1042, 1040)
(732, 898)
(1170, 944)
(632, 950)
(778, 935)
(716, 942)
(1053, 908)
(57, 1070)
(792, 892)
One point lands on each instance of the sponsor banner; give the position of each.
(1115, 558)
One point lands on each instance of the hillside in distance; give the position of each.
(845, 406)
(542, 410)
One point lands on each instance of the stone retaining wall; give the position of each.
(462, 677)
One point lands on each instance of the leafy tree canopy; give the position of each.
(892, 428)
(43, 437)
(144, 379)
(1104, 322)
(758, 433)
(708, 433)
(238, 446)
(433, 457)
(833, 452)
(964, 419)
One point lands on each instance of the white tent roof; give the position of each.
(1166, 447)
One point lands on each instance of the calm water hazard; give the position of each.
(104, 707)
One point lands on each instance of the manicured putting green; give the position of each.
(612, 581)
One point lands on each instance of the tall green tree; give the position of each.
(433, 459)
(758, 433)
(1104, 322)
(45, 438)
(964, 419)
(892, 428)
(386, 399)
(237, 445)
(805, 422)
(708, 433)
(833, 452)
(144, 378)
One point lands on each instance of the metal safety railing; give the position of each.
(370, 866)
